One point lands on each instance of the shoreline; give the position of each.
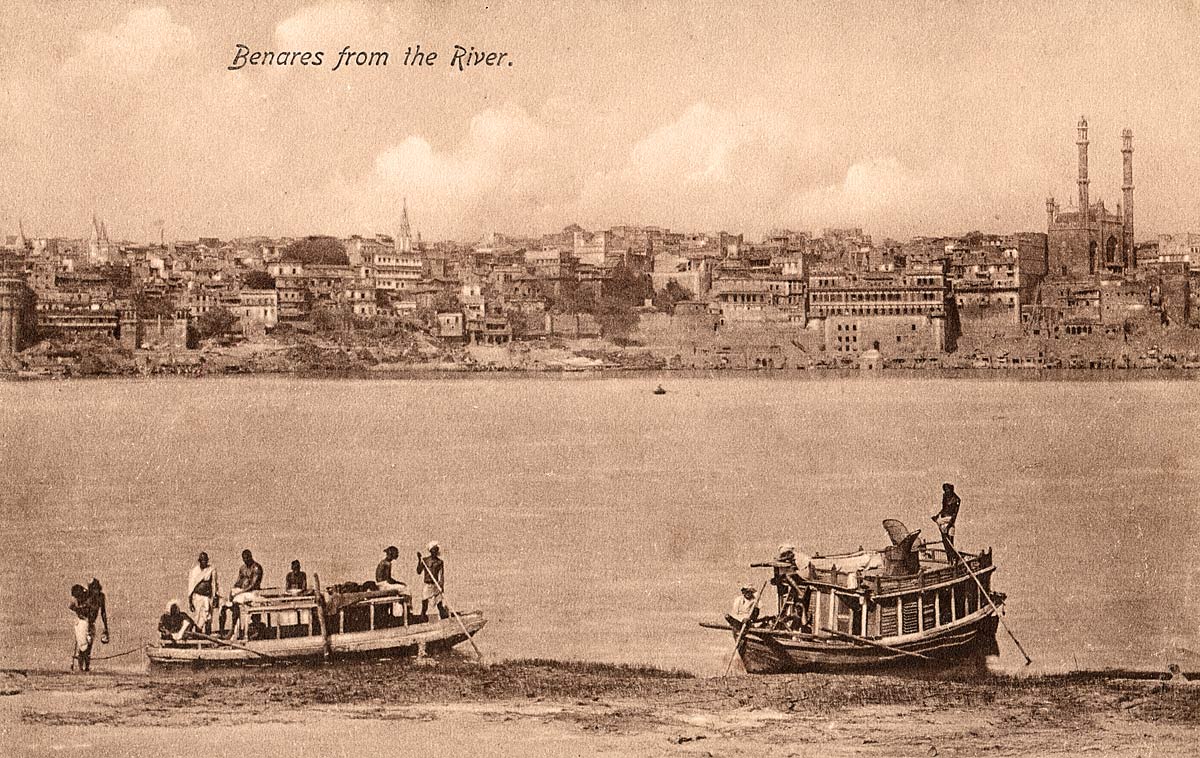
(570, 708)
(815, 375)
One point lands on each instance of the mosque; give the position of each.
(1089, 239)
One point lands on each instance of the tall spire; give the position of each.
(1127, 192)
(404, 238)
(1082, 142)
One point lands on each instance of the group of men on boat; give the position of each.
(205, 602)
(794, 594)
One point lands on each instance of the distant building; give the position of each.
(902, 311)
(1088, 239)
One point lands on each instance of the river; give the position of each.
(591, 519)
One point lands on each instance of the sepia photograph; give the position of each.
(624, 377)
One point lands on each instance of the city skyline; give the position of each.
(937, 120)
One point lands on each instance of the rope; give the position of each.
(115, 655)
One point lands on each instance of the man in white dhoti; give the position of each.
(82, 627)
(203, 593)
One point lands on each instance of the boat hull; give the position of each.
(434, 636)
(967, 642)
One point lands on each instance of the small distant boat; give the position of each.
(659, 390)
(282, 626)
(902, 606)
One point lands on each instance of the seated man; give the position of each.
(175, 624)
(297, 580)
(383, 572)
(745, 608)
(249, 581)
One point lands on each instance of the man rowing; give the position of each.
(175, 624)
(433, 570)
(947, 517)
(744, 608)
(203, 594)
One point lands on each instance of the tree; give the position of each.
(215, 322)
(258, 280)
(316, 250)
(666, 298)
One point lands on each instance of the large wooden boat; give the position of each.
(906, 605)
(284, 626)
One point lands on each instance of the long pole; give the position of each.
(234, 645)
(873, 643)
(741, 635)
(987, 595)
(326, 645)
(454, 613)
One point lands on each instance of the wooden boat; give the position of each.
(278, 625)
(902, 606)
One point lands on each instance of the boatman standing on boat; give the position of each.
(203, 593)
(947, 517)
(433, 569)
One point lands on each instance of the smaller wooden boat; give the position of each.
(659, 390)
(902, 606)
(279, 625)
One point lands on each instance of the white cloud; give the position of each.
(495, 177)
(146, 40)
(334, 25)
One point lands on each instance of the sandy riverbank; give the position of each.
(542, 708)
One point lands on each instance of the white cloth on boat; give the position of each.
(241, 597)
(849, 563)
(202, 610)
(197, 575)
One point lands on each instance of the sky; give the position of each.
(902, 118)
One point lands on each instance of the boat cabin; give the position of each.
(276, 614)
(853, 594)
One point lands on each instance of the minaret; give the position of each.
(1127, 192)
(1051, 210)
(1083, 169)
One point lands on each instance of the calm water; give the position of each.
(592, 519)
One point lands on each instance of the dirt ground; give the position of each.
(545, 708)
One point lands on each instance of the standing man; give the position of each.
(383, 572)
(297, 580)
(433, 569)
(947, 517)
(249, 580)
(81, 627)
(97, 608)
(203, 594)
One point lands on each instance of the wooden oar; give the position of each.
(234, 645)
(741, 635)
(951, 549)
(873, 643)
(454, 613)
(326, 645)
